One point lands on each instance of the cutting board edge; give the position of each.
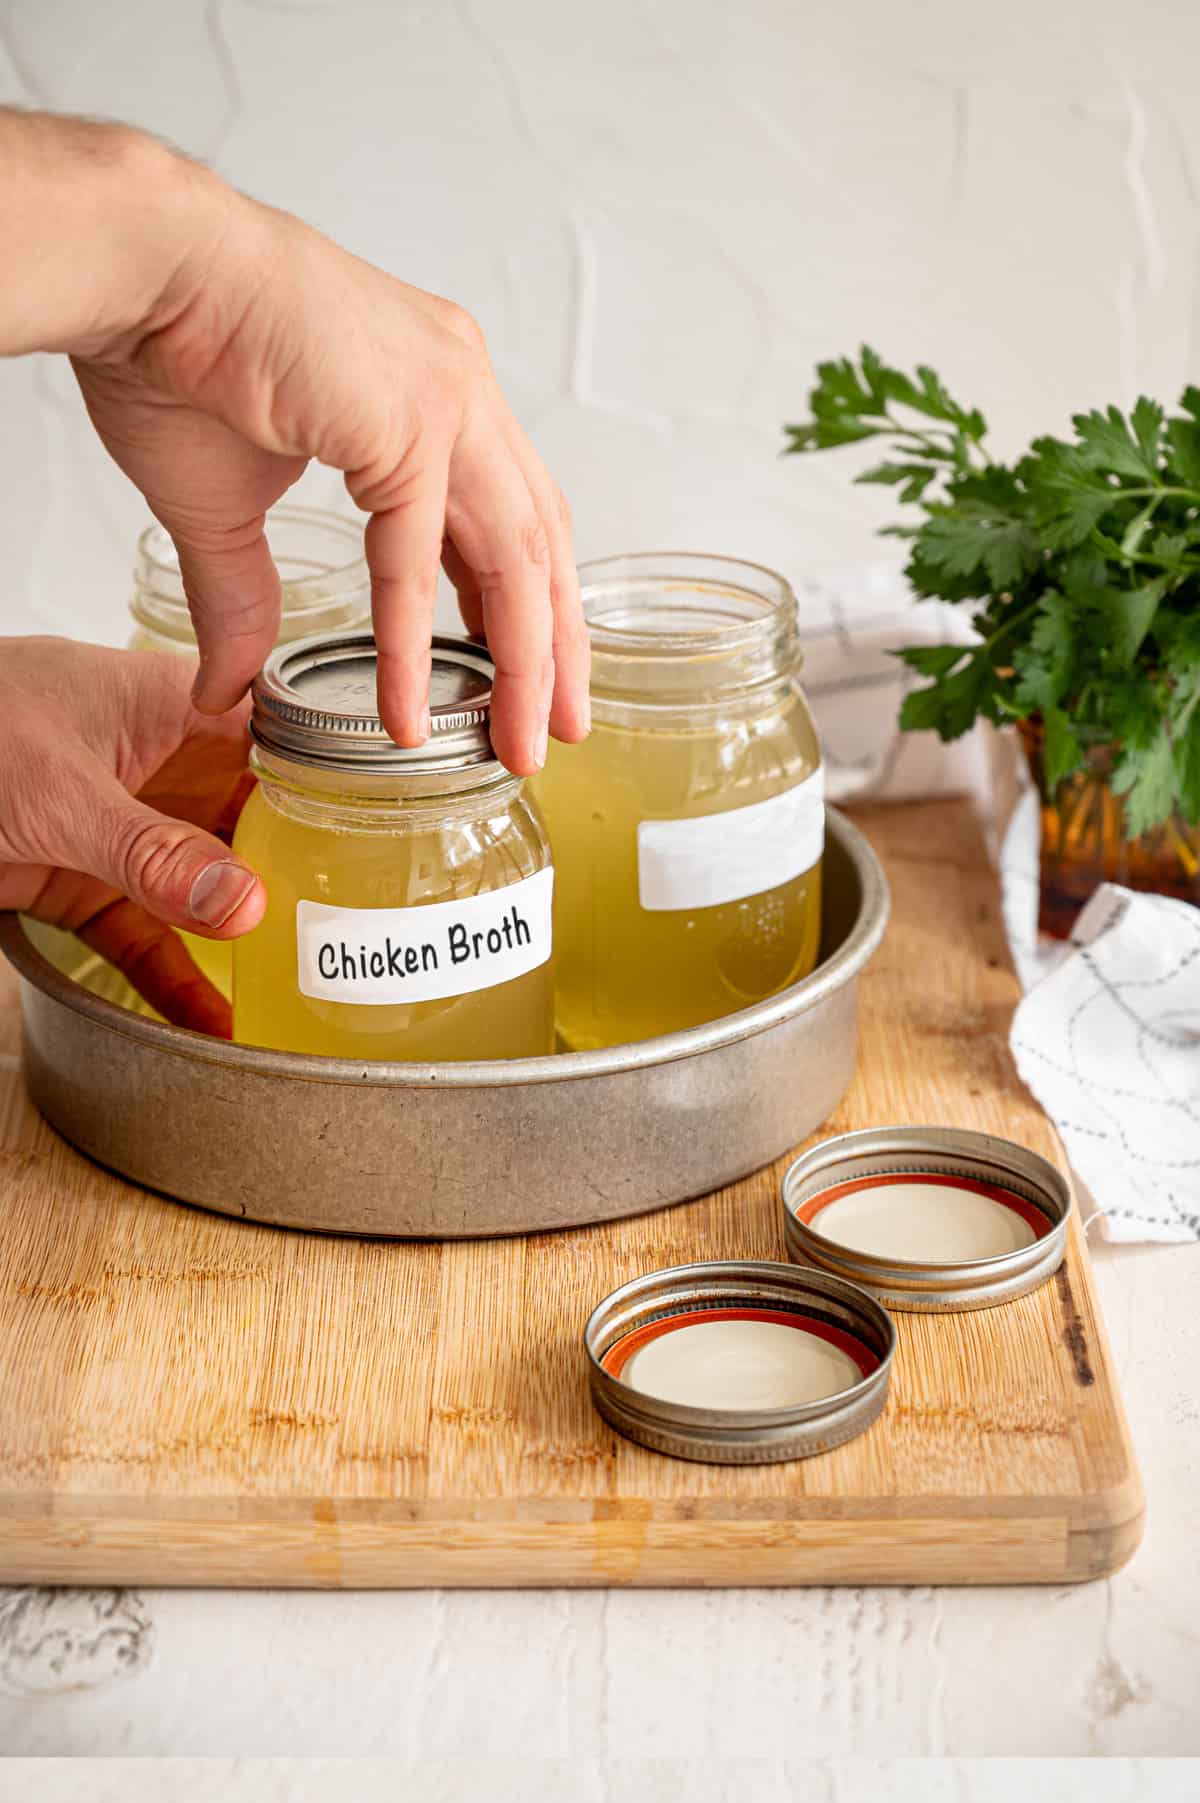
(1056, 1543)
(1020, 1550)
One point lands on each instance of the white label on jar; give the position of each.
(381, 956)
(717, 858)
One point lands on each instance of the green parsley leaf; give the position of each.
(1129, 615)
(1147, 422)
(1146, 778)
(826, 434)
(1068, 495)
(1183, 437)
(1061, 750)
(1187, 768)
(949, 708)
(1107, 444)
(913, 478)
(932, 660)
(1043, 664)
(973, 538)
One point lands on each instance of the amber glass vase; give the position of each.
(1083, 842)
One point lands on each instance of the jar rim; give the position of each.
(158, 559)
(314, 703)
(647, 578)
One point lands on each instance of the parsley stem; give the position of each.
(1003, 630)
(954, 448)
(1159, 490)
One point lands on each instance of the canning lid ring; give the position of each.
(311, 706)
(925, 1286)
(739, 1436)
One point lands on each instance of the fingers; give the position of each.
(470, 601)
(570, 716)
(529, 571)
(496, 529)
(232, 587)
(156, 962)
(170, 868)
(404, 548)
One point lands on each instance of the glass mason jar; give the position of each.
(688, 829)
(324, 585)
(409, 890)
(322, 569)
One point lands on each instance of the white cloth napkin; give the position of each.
(1108, 1033)
(1109, 1042)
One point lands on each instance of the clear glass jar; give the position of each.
(688, 829)
(325, 585)
(322, 568)
(409, 891)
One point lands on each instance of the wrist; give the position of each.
(170, 214)
(99, 219)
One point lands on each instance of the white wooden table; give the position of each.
(1110, 1668)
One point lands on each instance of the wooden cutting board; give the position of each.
(187, 1399)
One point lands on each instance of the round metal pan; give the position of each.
(455, 1151)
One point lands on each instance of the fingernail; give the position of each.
(543, 744)
(587, 714)
(425, 727)
(218, 891)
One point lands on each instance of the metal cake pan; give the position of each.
(455, 1151)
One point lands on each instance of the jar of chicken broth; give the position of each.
(688, 829)
(408, 889)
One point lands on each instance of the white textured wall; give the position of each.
(663, 211)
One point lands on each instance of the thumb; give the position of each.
(232, 589)
(172, 869)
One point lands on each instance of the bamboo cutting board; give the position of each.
(188, 1399)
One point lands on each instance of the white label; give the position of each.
(726, 857)
(381, 956)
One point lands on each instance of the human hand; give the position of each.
(112, 789)
(268, 346)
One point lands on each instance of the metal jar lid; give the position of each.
(837, 1312)
(314, 702)
(914, 1164)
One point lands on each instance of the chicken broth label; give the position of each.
(384, 956)
(716, 858)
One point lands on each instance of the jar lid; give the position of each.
(740, 1362)
(932, 1219)
(314, 701)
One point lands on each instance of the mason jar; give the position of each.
(324, 582)
(408, 889)
(688, 828)
(324, 585)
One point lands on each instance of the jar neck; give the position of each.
(382, 801)
(692, 635)
(324, 583)
(169, 623)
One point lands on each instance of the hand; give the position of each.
(112, 789)
(268, 346)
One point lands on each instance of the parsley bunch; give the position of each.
(1080, 563)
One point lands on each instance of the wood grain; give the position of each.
(188, 1399)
